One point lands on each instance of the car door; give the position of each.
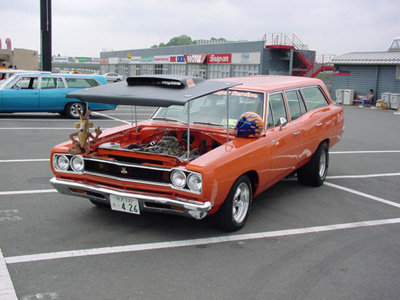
(52, 94)
(315, 120)
(283, 137)
(297, 111)
(22, 95)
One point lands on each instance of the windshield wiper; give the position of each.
(168, 120)
(207, 123)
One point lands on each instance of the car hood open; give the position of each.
(152, 90)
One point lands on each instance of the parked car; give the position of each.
(43, 92)
(210, 147)
(113, 77)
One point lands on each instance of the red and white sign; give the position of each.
(161, 59)
(219, 58)
(195, 58)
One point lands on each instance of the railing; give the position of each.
(284, 39)
(325, 59)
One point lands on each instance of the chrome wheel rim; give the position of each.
(241, 202)
(74, 109)
(322, 164)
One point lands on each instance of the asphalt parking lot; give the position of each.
(338, 241)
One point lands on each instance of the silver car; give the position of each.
(113, 77)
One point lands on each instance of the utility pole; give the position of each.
(45, 32)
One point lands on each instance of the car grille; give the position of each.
(127, 171)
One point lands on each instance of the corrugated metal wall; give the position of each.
(362, 78)
(387, 82)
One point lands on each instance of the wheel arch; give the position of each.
(254, 180)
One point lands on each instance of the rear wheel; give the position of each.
(71, 110)
(315, 171)
(235, 210)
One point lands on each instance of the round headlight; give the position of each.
(62, 162)
(77, 163)
(178, 178)
(195, 182)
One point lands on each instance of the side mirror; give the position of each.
(282, 122)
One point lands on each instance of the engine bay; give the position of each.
(171, 143)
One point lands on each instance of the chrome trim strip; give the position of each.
(191, 208)
(127, 179)
(127, 164)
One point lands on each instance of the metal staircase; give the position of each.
(303, 62)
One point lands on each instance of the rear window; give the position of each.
(81, 82)
(314, 97)
(51, 83)
(296, 104)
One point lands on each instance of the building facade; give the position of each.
(212, 60)
(362, 71)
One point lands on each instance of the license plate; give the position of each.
(125, 204)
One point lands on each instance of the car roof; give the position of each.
(59, 75)
(272, 82)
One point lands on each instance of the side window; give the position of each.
(314, 98)
(276, 109)
(48, 83)
(60, 83)
(26, 83)
(81, 82)
(296, 104)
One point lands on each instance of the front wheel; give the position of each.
(71, 110)
(314, 172)
(235, 210)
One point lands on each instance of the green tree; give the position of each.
(182, 40)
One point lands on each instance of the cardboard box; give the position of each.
(380, 104)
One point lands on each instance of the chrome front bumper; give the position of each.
(101, 194)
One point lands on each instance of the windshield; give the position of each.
(211, 109)
(6, 83)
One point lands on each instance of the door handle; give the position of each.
(275, 143)
(296, 133)
(318, 125)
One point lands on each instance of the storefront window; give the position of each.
(146, 69)
(134, 70)
(245, 70)
(160, 69)
(219, 71)
(178, 69)
(197, 70)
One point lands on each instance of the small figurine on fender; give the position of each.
(82, 144)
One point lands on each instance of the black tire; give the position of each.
(71, 110)
(234, 212)
(118, 80)
(314, 172)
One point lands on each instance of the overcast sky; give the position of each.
(88, 27)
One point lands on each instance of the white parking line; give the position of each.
(39, 128)
(194, 242)
(54, 120)
(27, 192)
(119, 120)
(7, 291)
(395, 204)
(365, 152)
(23, 160)
(36, 128)
(363, 176)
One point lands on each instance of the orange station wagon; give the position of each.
(209, 148)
